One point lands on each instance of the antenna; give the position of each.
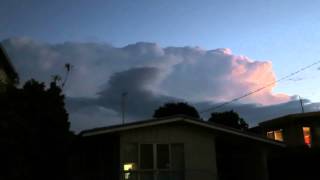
(301, 104)
(123, 105)
(68, 67)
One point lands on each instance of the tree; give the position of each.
(170, 109)
(35, 128)
(229, 118)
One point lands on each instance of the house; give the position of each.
(8, 74)
(294, 129)
(173, 148)
(301, 133)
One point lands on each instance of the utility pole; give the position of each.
(301, 104)
(123, 105)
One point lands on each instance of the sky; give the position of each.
(203, 52)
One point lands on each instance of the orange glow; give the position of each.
(278, 135)
(307, 135)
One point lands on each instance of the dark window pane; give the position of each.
(130, 153)
(177, 161)
(146, 176)
(163, 156)
(164, 175)
(146, 156)
(177, 156)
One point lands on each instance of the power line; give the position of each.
(259, 89)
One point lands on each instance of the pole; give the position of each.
(123, 105)
(301, 104)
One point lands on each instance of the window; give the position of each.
(146, 156)
(163, 157)
(177, 156)
(161, 161)
(307, 135)
(278, 135)
(275, 134)
(270, 134)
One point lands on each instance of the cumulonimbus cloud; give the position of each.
(150, 74)
(185, 72)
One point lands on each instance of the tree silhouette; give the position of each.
(229, 118)
(170, 109)
(56, 78)
(34, 127)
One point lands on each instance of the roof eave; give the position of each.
(176, 119)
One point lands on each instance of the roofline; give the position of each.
(176, 119)
(127, 126)
(237, 133)
(306, 114)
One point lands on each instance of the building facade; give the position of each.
(176, 148)
(294, 129)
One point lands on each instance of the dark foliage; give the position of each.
(229, 118)
(34, 132)
(170, 109)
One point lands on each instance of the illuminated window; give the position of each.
(307, 135)
(278, 135)
(270, 134)
(275, 135)
(127, 167)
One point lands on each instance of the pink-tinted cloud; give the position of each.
(149, 73)
(188, 73)
(219, 75)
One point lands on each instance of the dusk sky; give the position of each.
(203, 52)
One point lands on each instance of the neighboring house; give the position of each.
(8, 75)
(294, 129)
(172, 148)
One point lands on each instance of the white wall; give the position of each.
(199, 147)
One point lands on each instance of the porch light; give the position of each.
(128, 166)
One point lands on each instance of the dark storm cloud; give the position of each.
(138, 84)
(140, 101)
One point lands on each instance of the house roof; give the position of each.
(178, 118)
(6, 65)
(292, 118)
